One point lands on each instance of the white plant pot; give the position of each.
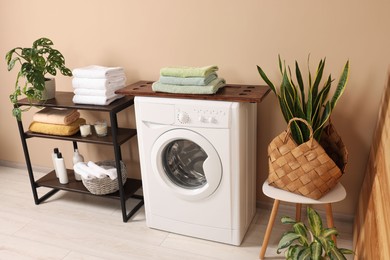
(50, 89)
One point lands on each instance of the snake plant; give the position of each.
(315, 242)
(314, 106)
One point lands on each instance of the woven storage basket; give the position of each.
(306, 169)
(102, 186)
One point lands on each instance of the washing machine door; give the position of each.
(186, 164)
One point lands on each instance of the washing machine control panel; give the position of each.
(217, 117)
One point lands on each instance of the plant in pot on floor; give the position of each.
(36, 63)
(307, 110)
(312, 242)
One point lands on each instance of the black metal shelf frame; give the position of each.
(116, 137)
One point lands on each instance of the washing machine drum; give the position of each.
(186, 164)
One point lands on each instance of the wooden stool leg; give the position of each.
(329, 219)
(269, 228)
(298, 212)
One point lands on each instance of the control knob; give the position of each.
(183, 118)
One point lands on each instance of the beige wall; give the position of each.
(143, 36)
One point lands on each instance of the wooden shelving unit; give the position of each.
(115, 138)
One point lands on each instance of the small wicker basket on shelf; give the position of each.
(307, 169)
(103, 186)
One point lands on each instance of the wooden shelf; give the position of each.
(231, 92)
(51, 181)
(123, 135)
(64, 100)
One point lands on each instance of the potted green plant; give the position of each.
(36, 63)
(314, 106)
(309, 157)
(313, 242)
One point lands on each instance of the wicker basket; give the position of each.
(306, 169)
(102, 186)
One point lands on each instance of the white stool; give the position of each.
(337, 194)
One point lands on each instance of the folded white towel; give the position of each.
(99, 72)
(106, 83)
(96, 92)
(95, 100)
(85, 172)
(105, 170)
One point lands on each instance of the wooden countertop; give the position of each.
(231, 92)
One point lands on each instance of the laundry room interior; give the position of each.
(219, 203)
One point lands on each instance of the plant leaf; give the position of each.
(287, 220)
(287, 239)
(335, 253)
(315, 250)
(304, 254)
(315, 221)
(293, 251)
(327, 232)
(317, 80)
(265, 78)
(341, 85)
(300, 84)
(301, 229)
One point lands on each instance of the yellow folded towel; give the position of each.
(54, 129)
(56, 116)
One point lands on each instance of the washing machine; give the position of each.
(198, 168)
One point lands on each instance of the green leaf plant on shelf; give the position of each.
(313, 106)
(313, 242)
(35, 63)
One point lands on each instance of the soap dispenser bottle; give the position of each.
(77, 157)
(53, 158)
(62, 172)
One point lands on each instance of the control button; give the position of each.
(211, 120)
(183, 118)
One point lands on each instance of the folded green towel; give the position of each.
(211, 88)
(185, 72)
(191, 81)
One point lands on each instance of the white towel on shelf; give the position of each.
(104, 83)
(108, 171)
(95, 100)
(100, 72)
(94, 92)
(86, 172)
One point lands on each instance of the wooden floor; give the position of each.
(74, 226)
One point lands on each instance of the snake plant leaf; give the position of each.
(280, 64)
(318, 77)
(341, 85)
(315, 250)
(285, 112)
(287, 239)
(315, 221)
(309, 106)
(298, 75)
(308, 69)
(325, 117)
(296, 133)
(265, 78)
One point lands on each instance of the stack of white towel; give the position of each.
(96, 85)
